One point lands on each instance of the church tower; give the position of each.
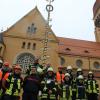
(96, 12)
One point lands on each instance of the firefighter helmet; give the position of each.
(90, 72)
(50, 69)
(1, 61)
(69, 67)
(67, 74)
(80, 77)
(79, 70)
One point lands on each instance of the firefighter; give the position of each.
(5, 70)
(73, 81)
(74, 88)
(92, 87)
(81, 91)
(79, 72)
(59, 75)
(69, 70)
(49, 86)
(12, 84)
(31, 85)
(67, 88)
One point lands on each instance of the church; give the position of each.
(23, 42)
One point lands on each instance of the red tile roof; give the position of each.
(96, 7)
(79, 47)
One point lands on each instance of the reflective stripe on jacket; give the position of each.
(14, 87)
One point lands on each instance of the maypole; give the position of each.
(49, 9)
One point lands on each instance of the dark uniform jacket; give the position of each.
(31, 84)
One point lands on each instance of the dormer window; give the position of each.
(86, 51)
(68, 49)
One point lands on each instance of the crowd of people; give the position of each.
(44, 84)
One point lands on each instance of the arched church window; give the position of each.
(34, 46)
(28, 29)
(28, 45)
(24, 60)
(23, 45)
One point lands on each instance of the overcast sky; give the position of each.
(70, 18)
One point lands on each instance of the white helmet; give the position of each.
(69, 67)
(67, 74)
(50, 69)
(1, 61)
(80, 77)
(79, 69)
(90, 72)
(39, 70)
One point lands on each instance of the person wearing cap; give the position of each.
(31, 85)
(12, 84)
(81, 91)
(92, 87)
(67, 88)
(49, 86)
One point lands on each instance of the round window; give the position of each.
(96, 64)
(79, 63)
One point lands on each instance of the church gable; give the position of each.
(31, 25)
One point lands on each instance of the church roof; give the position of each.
(79, 47)
(96, 7)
